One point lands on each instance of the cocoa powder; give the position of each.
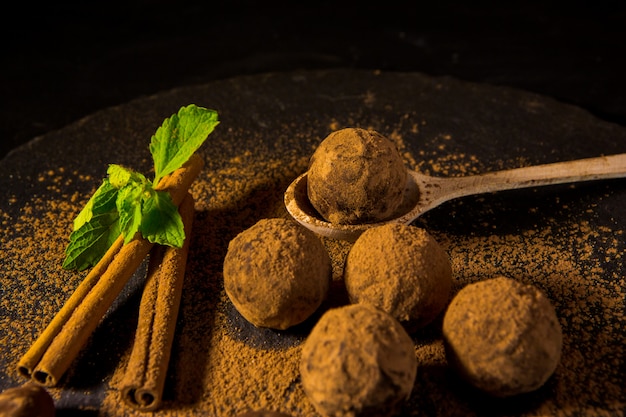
(221, 367)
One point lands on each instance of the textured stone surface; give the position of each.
(290, 113)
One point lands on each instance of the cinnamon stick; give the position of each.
(143, 382)
(30, 359)
(57, 347)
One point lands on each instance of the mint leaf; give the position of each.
(142, 209)
(179, 137)
(89, 243)
(129, 202)
(102, 201)
(118, 175)
(161, 222)
(126, 202)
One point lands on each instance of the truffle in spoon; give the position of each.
(424, 192)
(356, 176)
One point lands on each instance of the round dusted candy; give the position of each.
(276, 273)
(358, 361)
(502, 336)
(28, 400)
(402, 270)
(356, 176)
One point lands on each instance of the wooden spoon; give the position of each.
(424, 192)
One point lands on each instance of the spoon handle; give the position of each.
(603, 167)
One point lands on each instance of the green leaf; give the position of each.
(161, 222)
(129, 203)
(126, 202)
(120, 176)
(102, 201)
(89, 243)
(179, 137)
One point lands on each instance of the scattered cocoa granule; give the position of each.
(561, 258)
(33, 286)
(222, 366)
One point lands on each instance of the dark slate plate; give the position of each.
(448, 127)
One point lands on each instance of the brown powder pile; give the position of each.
(221, 365)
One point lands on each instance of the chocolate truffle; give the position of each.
(28, 400)
(276, 273)
(356, 176)
(402, 270)
(503, 336)
(357, 361)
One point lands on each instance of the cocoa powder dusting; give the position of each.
(222, 366)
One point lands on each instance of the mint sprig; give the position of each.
(127, 203)
(179, 137)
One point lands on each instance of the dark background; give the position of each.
(62, 61)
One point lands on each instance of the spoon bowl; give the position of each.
(424, 192)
